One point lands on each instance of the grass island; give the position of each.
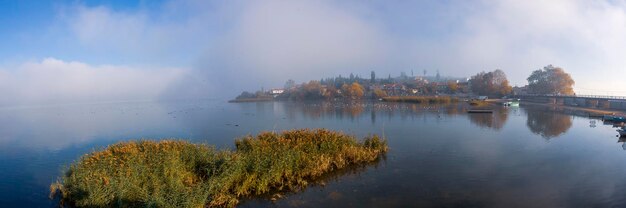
(177, 173)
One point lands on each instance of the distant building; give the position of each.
(276, 92)
(442, 87)
(394, 89)
(463, 86)
(375, 87)
(420, 81)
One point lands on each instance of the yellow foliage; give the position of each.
(175, 173)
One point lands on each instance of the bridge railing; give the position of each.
(578, 96)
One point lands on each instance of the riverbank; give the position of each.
(421, 99)
(176, 173)
(247, 100)
(591, 112)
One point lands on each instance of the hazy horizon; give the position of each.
(93, 51)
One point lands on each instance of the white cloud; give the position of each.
(241, 45)
(301, 39)
(237, 44)
(584, 37)
(56, 81)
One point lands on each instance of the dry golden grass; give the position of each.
(176, 173)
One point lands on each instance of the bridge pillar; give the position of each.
(560, 101)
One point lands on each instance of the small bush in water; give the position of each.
(175, 173)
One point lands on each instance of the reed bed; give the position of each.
(177, 173)
(421, 99)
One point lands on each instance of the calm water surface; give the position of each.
(439, 156)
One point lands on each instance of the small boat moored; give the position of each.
(622, 132)
(613, 118)
(512, 103)
(480, 111)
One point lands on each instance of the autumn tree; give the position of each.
(550, 80)
(330, 92)
(378, 93)
(345, 90)
(492, 83)
(310, 90)
(353, 91)
(453, 87)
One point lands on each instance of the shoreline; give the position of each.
(591, 112)
(249, 100)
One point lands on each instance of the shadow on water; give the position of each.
(495, 120)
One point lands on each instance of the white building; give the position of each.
(277, 91)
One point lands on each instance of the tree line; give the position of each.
(550, 80)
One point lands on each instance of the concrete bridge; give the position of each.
(587, 101)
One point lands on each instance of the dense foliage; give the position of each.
(551, 80)
(259, 95)
(314, 90)
(492, 83)
(174, 173)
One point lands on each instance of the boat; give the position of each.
(614, 119)
(595, 115)
(512, 103)
(622, 132)
(480, 111)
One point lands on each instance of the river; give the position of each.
(439, 155)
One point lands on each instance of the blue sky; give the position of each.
(195, 48)
(38, 29)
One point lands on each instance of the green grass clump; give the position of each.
(421, 99)
(175, 173)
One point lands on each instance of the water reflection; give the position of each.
(290, 198)
(439, 156)
(55, 128)
(354, 110)
(495, 120)
(548, 124)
